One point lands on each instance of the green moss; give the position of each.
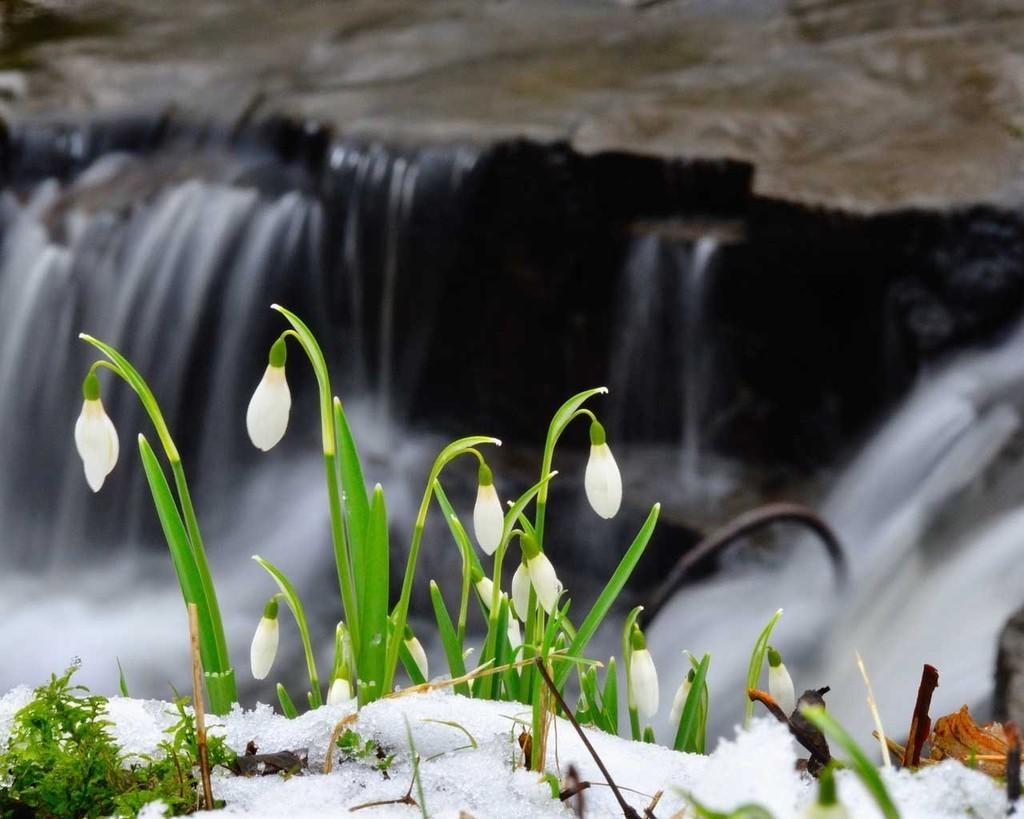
(61, 761)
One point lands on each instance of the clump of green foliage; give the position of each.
(354, 747)
(61, 761)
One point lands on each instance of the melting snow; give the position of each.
(489, 781)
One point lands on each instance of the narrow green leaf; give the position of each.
(181, 551)
(457, 529)
(611, 591)
(859, 761)
(374, 606)
(688, 733)
(449, 639)
(756, 664)
(357, 503)
(287, 706)
(122, 683)
(610, 697)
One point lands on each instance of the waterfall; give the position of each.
(175, 261)
(935, 561)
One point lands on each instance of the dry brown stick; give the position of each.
(921, 723)
(627, 811)
(197, 706)
(1012, 766)
(649, 810)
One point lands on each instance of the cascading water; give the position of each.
(935, 563)
(181, 278)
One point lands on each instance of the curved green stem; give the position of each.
(339, 538)
(295, 604)
(453, 450)
(559, 421)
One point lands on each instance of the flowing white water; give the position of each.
(935, 563)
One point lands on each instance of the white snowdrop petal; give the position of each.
(340, 691)
(264, 647)
(644, 682)
(521, 592)
(515, 636)
(679, 701)
(780, 686)
(603, 482)
(267, 416)
(488, 518)
(96, 442)
(485, 588)
(545, 582)
(419, 656)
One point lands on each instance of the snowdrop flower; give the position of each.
(643, 676)
(602, 479)
(267, 416)
(515, 636)
(826, 806)
(95, 436)
(488, 519)
(340, 691)
(679, 701)
(484, 587)
(780, 684)
(415, 648)
(542, 575)
(264, 642)
(521, 592)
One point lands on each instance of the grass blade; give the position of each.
(756, 664)
(859, 761)
(449, 639)
(373, 616)
(287, 706)
(689, 735)
(611, 591)
(357, 504)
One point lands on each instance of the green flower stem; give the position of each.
(627, 653)
(291, 597)
(220, 675)
(401, 610)
(561, 419)
(342, 558)
(202, 564)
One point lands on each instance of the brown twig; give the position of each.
(809, 741)
(627, 810)
(197, 706)
(649, 810)
(405, 799)
(921, 723)
(741, 526)
(1012, 766)
(574, 787)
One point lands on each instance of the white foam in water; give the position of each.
(757, 766)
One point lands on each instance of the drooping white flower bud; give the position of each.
(415, 649)
(484, 587)
(264, 642)
(515, 636)
(780, 684)
(643, 676)
(679, 701)
(488, 519)
(267, 416)
(602, 479)
(521, 592)
(95, 436)
(340, 691)
(545, 582)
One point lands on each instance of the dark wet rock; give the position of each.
(1008, 702)
(864, 104)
